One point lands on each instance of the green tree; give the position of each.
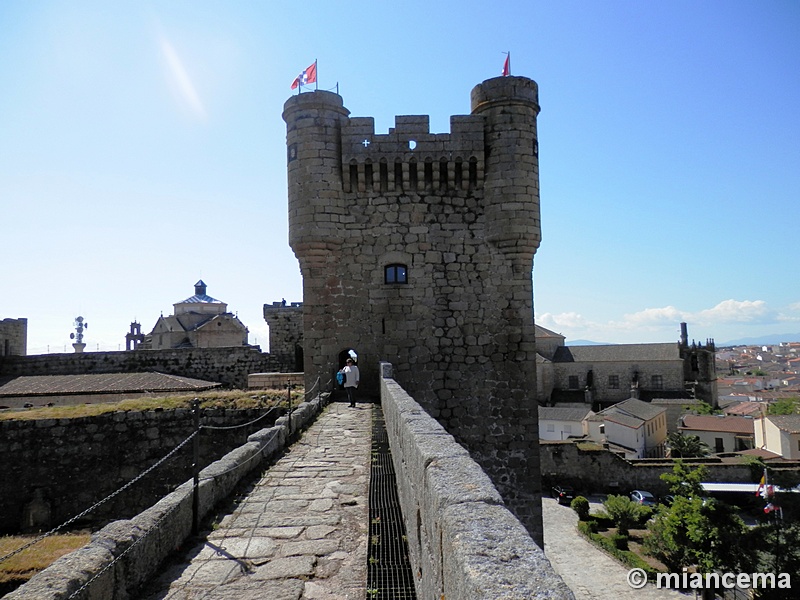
(625, 512)
(686, 446)
(698, 531)
(784, 406)
(778, 543)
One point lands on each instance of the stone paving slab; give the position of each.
(301, 531)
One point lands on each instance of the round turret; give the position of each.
(313, 126)
(510, 106)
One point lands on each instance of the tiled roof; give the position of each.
(49, 385)
(746, 408)
(727, 423)
(787, 423)
(201, 299)
(623, 419)
(541, 332)
(617, 353)
(558, 413)
(761, 453)
(637, 408)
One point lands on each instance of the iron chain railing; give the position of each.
(194, 436)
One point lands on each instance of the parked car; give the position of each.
(667, 500)
(563, 493)
(643, 498)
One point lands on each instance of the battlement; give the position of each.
(411, 159)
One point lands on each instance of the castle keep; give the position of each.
(417, 249)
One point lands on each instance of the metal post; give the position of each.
(196, 468)
(289, 399)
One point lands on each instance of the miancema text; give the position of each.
(711, 581)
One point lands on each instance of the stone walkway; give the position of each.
(300, 533)
(589, 572)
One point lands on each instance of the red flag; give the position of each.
(308, 75)
(507, 65)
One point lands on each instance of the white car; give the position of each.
(643, 498)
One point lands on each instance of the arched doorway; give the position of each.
(345, 354)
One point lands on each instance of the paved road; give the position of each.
(589, 572)
(300, 533)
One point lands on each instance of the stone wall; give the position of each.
(229, 366)
(273, 381)
(458, 213)
(671, 372)
(59, 460)
(594, 470)
(126, 554)
(285, 334)
(463, 541)
(13, 337)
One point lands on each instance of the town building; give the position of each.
(721, 433)
(561, 423)
(633, 428)
(603, 374)
(779, 434)
(200, 321)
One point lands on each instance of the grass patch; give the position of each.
(236, 399)
(20, 568)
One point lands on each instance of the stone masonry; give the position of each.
(13, 337)
(417, 249)
(285, 334)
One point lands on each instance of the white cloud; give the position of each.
(736, 311)
(179, 77)
(661, 323)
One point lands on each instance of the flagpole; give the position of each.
(509, 63)
(316, 79)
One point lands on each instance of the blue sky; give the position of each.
(142, 148)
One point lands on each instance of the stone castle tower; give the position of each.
(417, 249)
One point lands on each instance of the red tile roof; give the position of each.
(728, 424)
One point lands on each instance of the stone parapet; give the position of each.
(462, 540)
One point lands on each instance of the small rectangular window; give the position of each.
(613, 382)
(573, 382)
(657, 382)
(395, 274)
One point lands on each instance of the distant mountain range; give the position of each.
(762, 340)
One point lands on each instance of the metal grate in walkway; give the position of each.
(389, 573)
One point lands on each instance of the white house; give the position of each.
(722, 433)
(779, 434)
(636, 428)
(560, 423)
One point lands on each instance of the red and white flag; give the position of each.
(308, 75)
(507, 65)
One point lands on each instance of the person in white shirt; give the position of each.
(351, 380)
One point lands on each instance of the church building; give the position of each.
(200, 321)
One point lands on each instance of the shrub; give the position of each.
(620, 541)
(581, 506)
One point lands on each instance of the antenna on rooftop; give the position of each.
(80, 324)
